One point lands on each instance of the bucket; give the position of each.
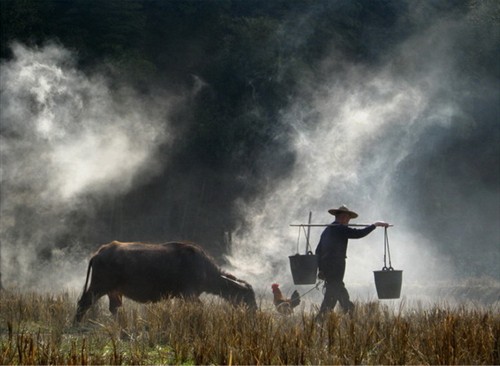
(388, 283)
(304, 268)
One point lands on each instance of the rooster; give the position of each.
(283, 305)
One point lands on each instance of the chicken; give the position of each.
(283, 305)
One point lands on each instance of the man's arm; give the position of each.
(358, 233)
(361, 233)
(319, 254)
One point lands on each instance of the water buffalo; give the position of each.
(151, 272)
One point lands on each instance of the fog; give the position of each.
(363, 136)
(411, 138)
(69, 140)
(368, 125)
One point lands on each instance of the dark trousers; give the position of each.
(335, 289)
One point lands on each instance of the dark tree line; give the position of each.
(249, 53)
(252, 55)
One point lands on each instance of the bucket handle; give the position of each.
(307, 235)
(387, 252)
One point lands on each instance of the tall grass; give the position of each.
(39, 329)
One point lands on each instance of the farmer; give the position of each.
(331, 254)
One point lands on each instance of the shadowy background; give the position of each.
(238, 66)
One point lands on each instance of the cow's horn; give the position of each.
(238, 283)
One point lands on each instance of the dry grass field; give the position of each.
(39, 329)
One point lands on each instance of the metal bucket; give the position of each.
(388, 283)
(304, 268)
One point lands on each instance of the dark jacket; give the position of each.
(333, 243)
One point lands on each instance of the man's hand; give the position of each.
(381, 224)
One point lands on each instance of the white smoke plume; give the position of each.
(68, 140)
(352, 132)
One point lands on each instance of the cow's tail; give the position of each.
(88, 275)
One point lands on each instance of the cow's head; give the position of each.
(238, 292)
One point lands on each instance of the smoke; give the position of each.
(399, 121)
(366, 125)
(69, 141)
(366, 135)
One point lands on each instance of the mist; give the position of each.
(224, 123)
(365, 136)
(69, 142)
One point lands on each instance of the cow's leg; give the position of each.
(115, 301)
(86, 301)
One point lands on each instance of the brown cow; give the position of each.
(151, 272)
